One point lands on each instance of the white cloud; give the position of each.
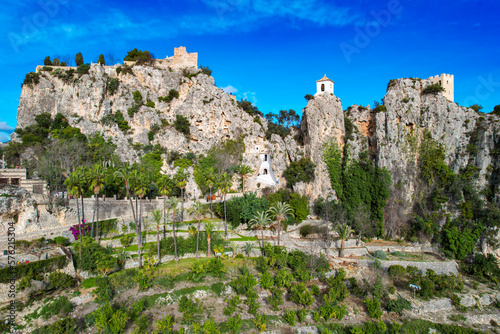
(250, 96)
(5, 127)
(230, 89)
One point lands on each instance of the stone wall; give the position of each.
(447, 268)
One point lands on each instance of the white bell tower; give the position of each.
(324, 86)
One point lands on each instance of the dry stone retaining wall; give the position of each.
(450, 267)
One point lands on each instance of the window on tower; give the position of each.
(322, 87)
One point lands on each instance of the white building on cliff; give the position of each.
(324, 86)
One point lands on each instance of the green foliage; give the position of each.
(67, 326)
(59, 279)
(79, 59)
(436, 285)
(143, 279)
(60, 307)
(260, 321)
(398, 305)
(171, 95)
(459, 239)
(104, 291)
(300, 295)
(289, 317)
(266, 280)
(61, 241)
(83, 69)
(380, 254)
(240, 210)
(140, 57)
(38, 267)
(243, 283)
(249, 108)
(125, 70)
(281, 123)
(92, 255)
(182, 125)
(484, 267)
(31, 79)
(112, 85)
(301, 315)
(47, 61)
(373, 308)
(309, 97)
(165, 325)
(276, 298)
(138, 102)
(232, 304)
(283, 278)
(299, 171)
(433, 89)
(396, 271)
(234, 323)
(101, 60)
(205, 70)
(189, 308)
(110, 320)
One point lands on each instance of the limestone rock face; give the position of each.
(322, 121)
(17, 206)
(214, 116)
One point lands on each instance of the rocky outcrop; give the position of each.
(322, 121)
(17, 206)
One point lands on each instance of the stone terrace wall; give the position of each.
(450, 267)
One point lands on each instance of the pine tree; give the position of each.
(79, 59)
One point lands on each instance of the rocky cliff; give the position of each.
(392, 134)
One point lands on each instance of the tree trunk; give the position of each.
(262, 240)
(140, 232)
(135, 221)
(225, 218)
(164, 216)
(198, 236)
(279, 228)
(341, 252)
(211, 210)
(208, 246)
(182, 205)
(242, 184)
(97, 219)
(79, 227)
(158, 242)
(175, 238)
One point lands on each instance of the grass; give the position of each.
(89, 282)
(243, 239)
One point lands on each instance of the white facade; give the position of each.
(324, 85)
(266, 174)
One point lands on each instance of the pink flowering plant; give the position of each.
(75, 230)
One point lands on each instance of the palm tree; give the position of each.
(209, 227)
(280, 211)
(96, 175)
(343, 230)
(125, 173)
(244, 170)
(225, 182)
(157, 216)
(181, 178)
(141, 182)
(198, 209)
(173, 203)
(261, 220)
(164, 184)
(73, 183)
(247, 248)
(211, 179)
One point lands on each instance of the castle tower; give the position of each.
(266, 174)
(324, 85)
(447, 82)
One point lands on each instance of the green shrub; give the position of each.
(300, 295)
(104, 292)
(373, 308)
(234, 323)
(59, 279)
(240, 210)
(433, 89)
(232, 304)
(189, 308)
(289, 317)
(301, 315)
(31, 79)
(398, 305)
(396, 271)
(299, 171)
(83, 69)
(266, 280)
(243, 283)
(67, 326)
(61, 241)
(182, 125)
(283, 278)
(61, 307)
(171, 95)
(150, 104)
(380, 254)
(276, 298)
(110, 320)
(126, 239)
(112, 85)
(38, 267)
(165, 325)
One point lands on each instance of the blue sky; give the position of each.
(270, 52)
